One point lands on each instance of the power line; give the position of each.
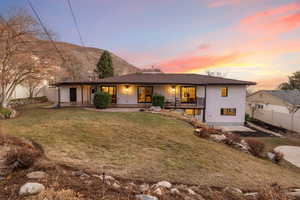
(77, 29)
(45, 29)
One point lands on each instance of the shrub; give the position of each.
(102, 99)
(256, 147)
(232, 138)
(158, 100)
(63, 194)
(5, 112)
(274, 192)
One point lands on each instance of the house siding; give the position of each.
(214, 102)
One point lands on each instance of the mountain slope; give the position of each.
(81, 61)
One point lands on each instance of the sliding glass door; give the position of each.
(188, 94)
(145, 94)
(112, 90)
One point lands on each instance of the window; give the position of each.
(145, 94)
(192, 111)
(188, 94)
(112, 90)
(228, 111)
(224, 92)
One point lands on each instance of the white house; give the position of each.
(276, 107)
(214, 100)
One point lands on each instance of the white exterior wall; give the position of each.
(214, 102)
(65, 94)
(22, 92)
(126, 97)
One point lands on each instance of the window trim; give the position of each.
(138, 94)
(227, 91)
(223, 114)
(187, 101)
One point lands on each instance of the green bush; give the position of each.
(5, 112)
(102, 99)
(158, 100)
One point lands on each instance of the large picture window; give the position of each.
(112, 90)
(228, 111)
(145, 94)
(188, 94)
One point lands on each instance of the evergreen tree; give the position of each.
(104, 67)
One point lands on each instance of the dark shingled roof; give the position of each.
(290, 96)
(163, 78)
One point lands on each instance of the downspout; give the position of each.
(204, 109)
(58, 97)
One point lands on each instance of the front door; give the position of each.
(73, 94)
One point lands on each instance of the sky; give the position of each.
(254, 40)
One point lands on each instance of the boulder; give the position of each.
(296, 195)
(271, 156)
(155, 108)
(144, 187)
(163, 184)
(37, 175)
(158, 191)
(218, 138)
(31, 188)
(191, 192)
(116, 186)
(233, 193)
(145, 197)
(174, 191)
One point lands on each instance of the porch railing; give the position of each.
(177, 103)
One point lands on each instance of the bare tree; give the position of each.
(20, 54)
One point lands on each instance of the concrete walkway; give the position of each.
(291, 154)
(114, 109)
(234, 129)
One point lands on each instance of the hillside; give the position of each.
(143, 146)
(81, 61)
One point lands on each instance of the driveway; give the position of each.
(291, 154)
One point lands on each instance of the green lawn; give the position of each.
(142, 146)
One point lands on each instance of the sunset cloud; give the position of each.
(219, 3)
(273, 21)
(183, 64)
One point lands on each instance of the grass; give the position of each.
(143, 146)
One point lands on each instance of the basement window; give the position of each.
(228, 111)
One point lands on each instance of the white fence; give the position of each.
(279, 119)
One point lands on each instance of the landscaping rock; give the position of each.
(191, 192)
(296, 195)
(218, 138)
(116, 186)
(155, 108)
(31, 188)
(107, 178)
(145, 197)
(164, 184)
(37, 175)
(251, 194)
(174, 191)
(234, 193)
(158, 191)
(144, 187)
(271, 156)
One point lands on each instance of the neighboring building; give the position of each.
(214, 100)
(280, 108)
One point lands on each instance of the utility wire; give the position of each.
(45, 29)
(77, 29)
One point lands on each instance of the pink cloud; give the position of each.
(272, 22)
(186, 63)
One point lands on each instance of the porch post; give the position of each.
(58, 97)
(204, 109)
(82, 94)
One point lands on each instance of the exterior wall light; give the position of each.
(127, 88)
(173, 88)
